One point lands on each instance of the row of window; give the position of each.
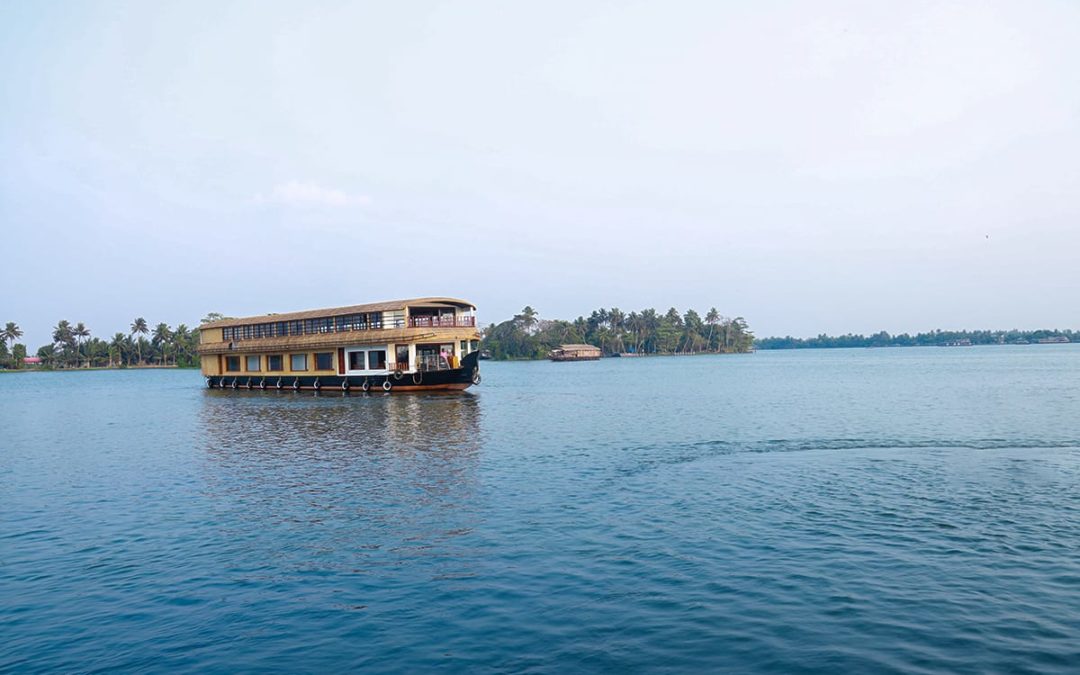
(330, 324)
(274, 362)
(375, 359)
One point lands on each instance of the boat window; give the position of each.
(273, 362)
(232, 364)
(298, 362)
(377, 359)
(253, 364)
(324, 361)
(356, 360)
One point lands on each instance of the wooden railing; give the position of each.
(442, 322)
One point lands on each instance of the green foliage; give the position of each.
(930, 339)
(73, 347)
(614, 331)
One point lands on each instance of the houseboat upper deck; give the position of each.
(423, 343)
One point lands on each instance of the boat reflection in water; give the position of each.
(374, 485)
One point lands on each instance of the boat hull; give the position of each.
(456, 379)
(449, 380)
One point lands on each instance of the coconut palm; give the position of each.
(712, 317)
(11, 333)
(80, 332)
(117, 346)
(527, 319)
(63, 336)
(162, 336)
(138, 326)
(182, 342)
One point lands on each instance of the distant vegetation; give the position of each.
(527, 336)
(933, 338)
(73, 346)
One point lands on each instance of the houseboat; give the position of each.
(401, 345)
(575, 353)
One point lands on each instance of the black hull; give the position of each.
(456, 379)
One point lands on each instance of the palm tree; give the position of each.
(527, 318)
(80, 332)
(11, 333)
(162, 336)
(712, 318)
(139, 326)
(616, 318)
(63, 336)
(181, 343)
(117, 346)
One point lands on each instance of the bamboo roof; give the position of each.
(387, 306)
(578, 348)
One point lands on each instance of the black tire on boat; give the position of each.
(387, 385)
(365, 386)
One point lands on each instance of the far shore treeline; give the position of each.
(935, 338)
(527, 336)
(73, 346)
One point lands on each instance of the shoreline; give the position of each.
(95, 368)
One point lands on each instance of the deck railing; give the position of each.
(429, 362)
(442, 322)
(359, 322)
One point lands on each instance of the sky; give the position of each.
(813, 167)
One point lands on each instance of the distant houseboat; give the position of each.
(575, 353)
(1055, 340)
(962, 342)
(402, 345)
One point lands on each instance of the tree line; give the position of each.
(527, 336)
(928, 339)
(73, 346)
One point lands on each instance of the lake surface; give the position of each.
(894, 510)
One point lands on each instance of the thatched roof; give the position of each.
(388, 306)
(578, 348)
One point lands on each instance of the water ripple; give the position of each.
(900, 511)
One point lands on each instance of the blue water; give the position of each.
(897, 510)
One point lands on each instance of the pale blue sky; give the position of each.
(811, 166)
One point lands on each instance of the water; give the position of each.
(901, 510)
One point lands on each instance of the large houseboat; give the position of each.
(402, 345)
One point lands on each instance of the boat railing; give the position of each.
(430, 363)
(442, 321)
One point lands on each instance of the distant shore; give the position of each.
(39, 369)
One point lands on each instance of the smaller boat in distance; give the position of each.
(962, 342)
(1055, 340)
(575, 353)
